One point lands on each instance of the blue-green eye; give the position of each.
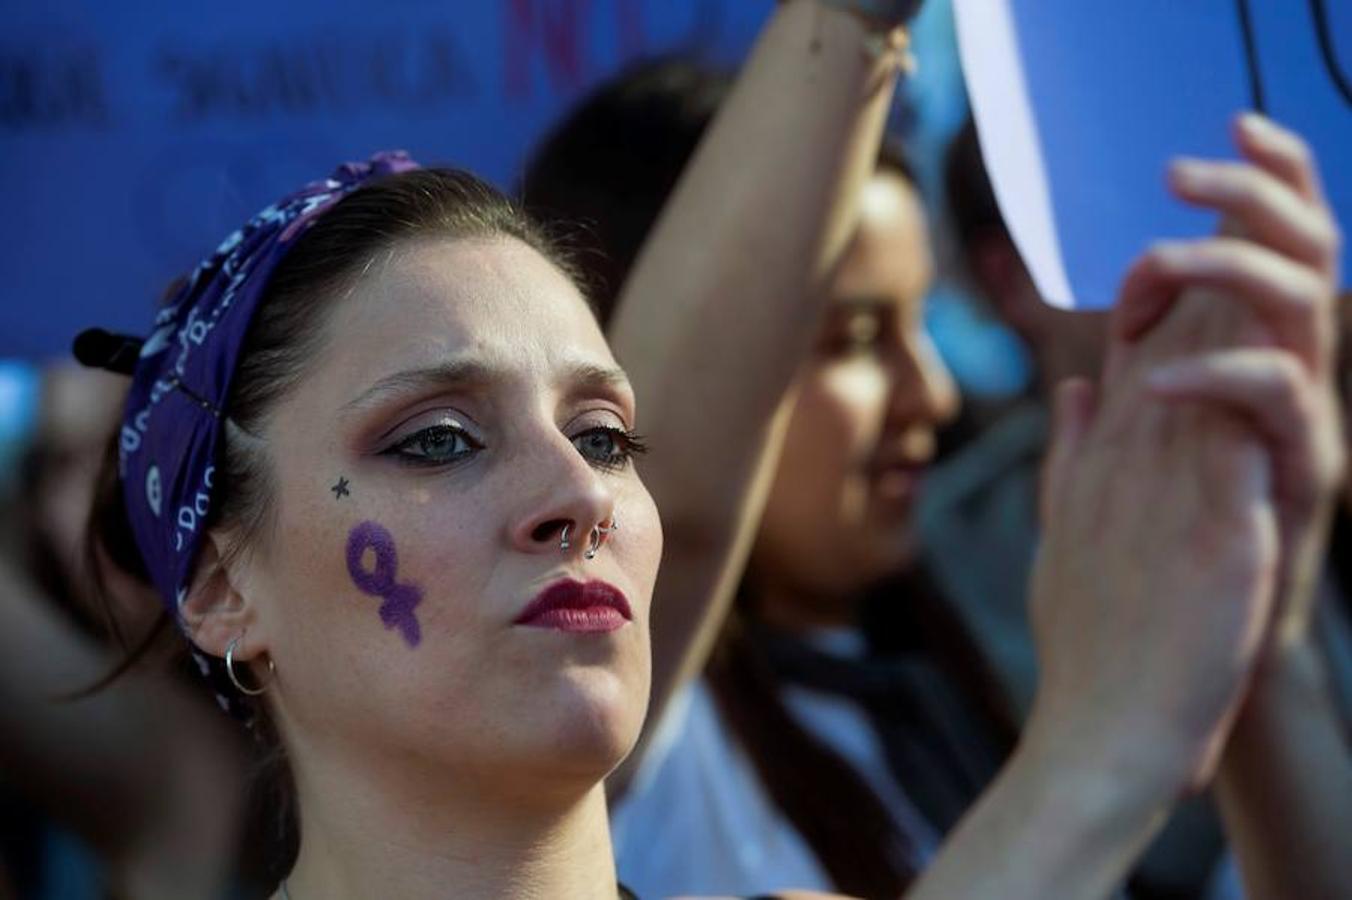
(609, 448)
(857, 334)
(436, 445)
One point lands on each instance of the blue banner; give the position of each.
(1120, 88)
(134, 135)
(1081, 104)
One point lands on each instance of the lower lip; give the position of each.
(588, 620)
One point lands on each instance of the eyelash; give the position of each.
(400, 449)
(629, 443)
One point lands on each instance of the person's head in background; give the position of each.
(1062, 343)
(78, 410)
(868, 401)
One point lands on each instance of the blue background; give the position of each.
(133, 135)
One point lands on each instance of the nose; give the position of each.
(570, 507)
(923, 390)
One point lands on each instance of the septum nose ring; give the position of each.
(598, 536)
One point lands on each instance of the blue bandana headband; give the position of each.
(172, 428)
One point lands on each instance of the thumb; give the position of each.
(1072, 411)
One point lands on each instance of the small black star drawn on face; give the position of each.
(340, 489)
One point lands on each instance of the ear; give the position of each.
(215, 612)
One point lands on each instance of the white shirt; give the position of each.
(696, 819)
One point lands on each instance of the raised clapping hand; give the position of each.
(1187, 498)
(1287, 274)
(1185, 502)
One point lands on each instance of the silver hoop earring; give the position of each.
(234, 679)
(599, 534)
(564, 544)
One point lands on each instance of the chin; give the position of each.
(888, 548)
(865, 569)
(591, 720)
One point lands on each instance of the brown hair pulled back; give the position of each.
(287, 332)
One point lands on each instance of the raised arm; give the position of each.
(1285, 783)
(151, 780)
(723, 301)
(1174, 579)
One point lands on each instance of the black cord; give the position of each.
(1340, 79)
(1251, 56)
(1342, 82)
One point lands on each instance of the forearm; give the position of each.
(726, 296)
(47, 746)
(144, 775)
(729, 286)
(1285, 783)
(1069, 829)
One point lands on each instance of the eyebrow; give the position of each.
(591, 376)
(465, 373)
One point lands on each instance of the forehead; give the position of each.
(889, 256)
(496, 299)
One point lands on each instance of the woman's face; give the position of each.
(464, 410)
(863, 426)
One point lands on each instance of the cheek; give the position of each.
(380, 569)
(372, 561)
(834, 429)
(820, 490)
(379, 598)
(648, 540)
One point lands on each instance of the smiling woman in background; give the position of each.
(845, 722)
(805, 756)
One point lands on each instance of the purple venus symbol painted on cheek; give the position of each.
(400, 599)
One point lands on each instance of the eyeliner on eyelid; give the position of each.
(618, 447)
(450, 421)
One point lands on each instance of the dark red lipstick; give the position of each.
(577, 606)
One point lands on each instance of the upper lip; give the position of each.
(569, 593)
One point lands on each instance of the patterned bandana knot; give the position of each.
(172, 427)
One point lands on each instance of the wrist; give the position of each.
(1109, 787)
(1289, 685)
(1081, 818)
(883, 15)
(882, 25)
(884, 39)
(1121, 758)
